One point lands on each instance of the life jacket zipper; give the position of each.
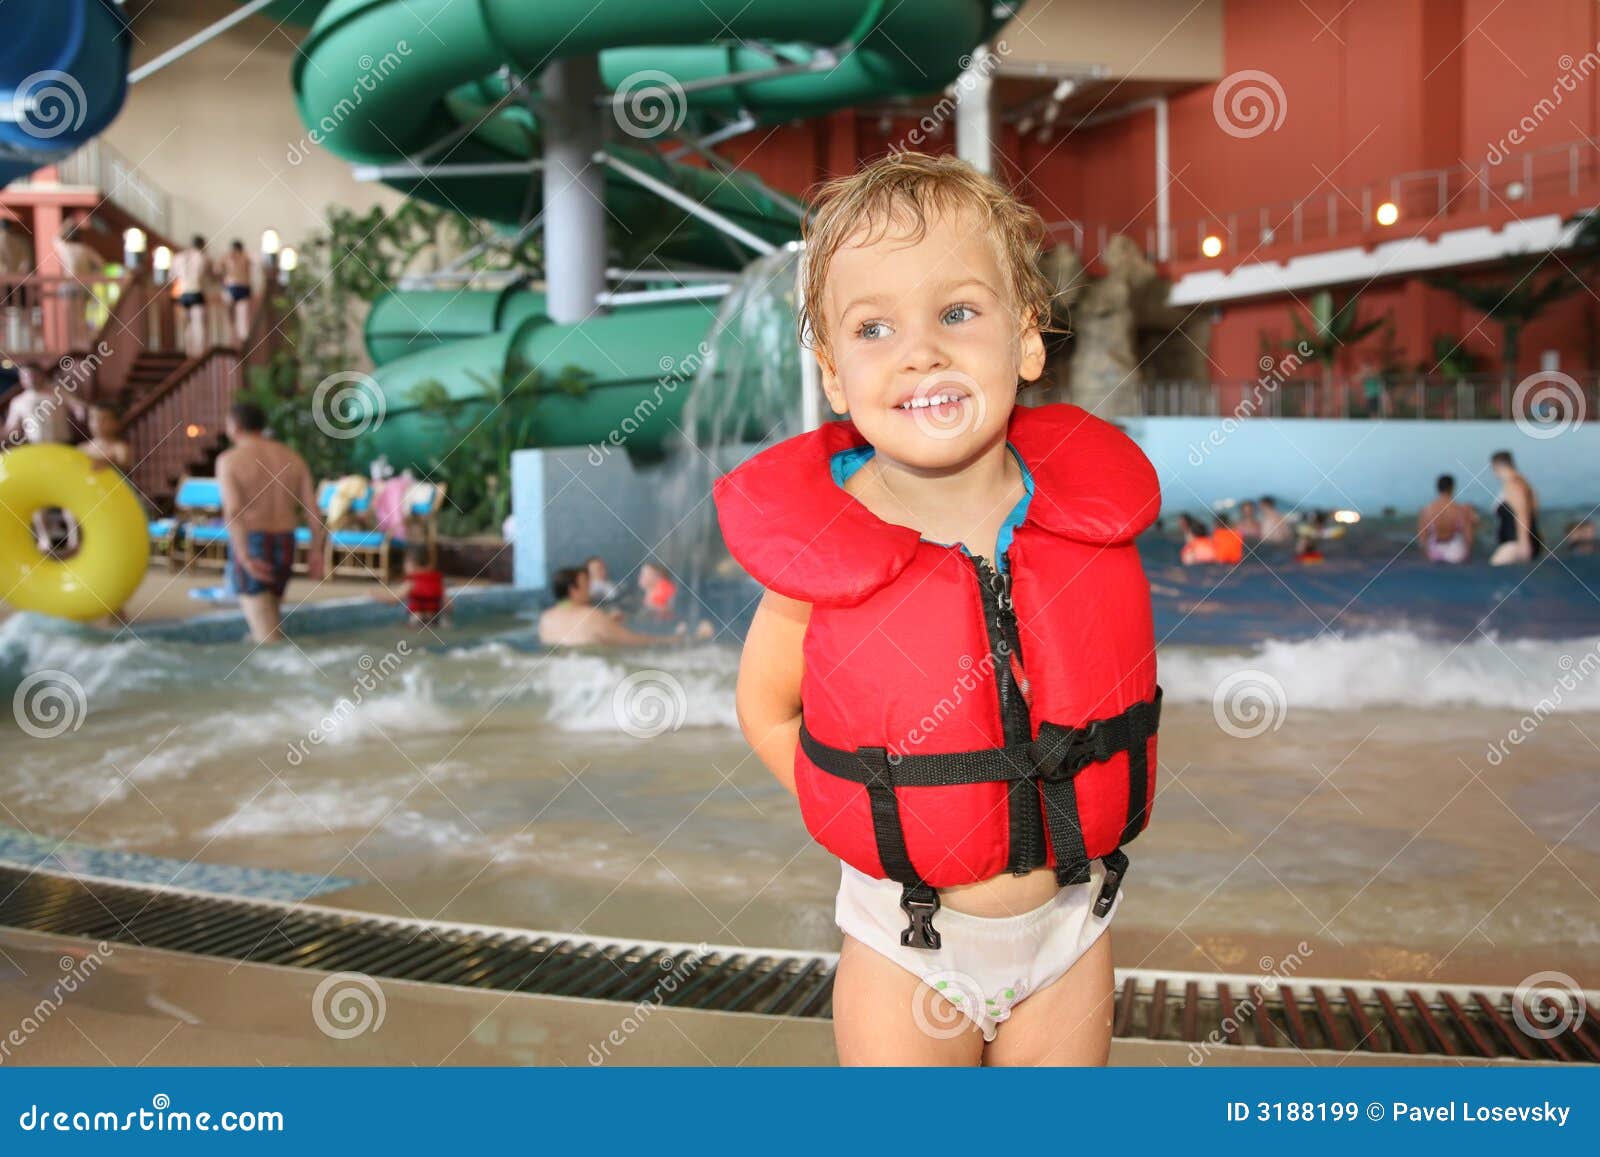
(1000, 625)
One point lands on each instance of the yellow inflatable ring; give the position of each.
(114, 538)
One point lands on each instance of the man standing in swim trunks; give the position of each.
(191, 270)
(264, 485)
(1445, 527)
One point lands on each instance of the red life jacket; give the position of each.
(959, 722)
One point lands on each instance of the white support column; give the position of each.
(1163, 185)
(976, 124)
(574, 188)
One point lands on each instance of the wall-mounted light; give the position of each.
(1347, 517)
(1387, 214)
(288, 262)
(161, 259)
(133, 246)
(194, 430)
(1211, 246)
(1515, 191)
(270, 244)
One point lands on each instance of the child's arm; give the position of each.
(768, 696)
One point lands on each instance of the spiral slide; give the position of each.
(63, 77)
(386, 80)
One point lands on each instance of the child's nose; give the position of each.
(925, 350)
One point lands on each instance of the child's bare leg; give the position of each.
(883, 1015)
(1066, 1023)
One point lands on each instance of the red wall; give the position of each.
(1371, 89)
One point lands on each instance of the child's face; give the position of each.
(926, 319)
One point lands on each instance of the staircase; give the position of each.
(175, 426)
(150, 368)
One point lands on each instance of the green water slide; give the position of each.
(397, 83)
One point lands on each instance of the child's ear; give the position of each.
(1031, 366)
(830, 381)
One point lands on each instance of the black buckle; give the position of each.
(1068, 752)
(1113, 881)
(921, 933)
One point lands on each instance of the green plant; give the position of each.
(1512, 304)
(1451, 358)
(1334, 325)
(480, 431)
(284, 396)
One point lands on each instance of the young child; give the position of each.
(953, 665)
(424, 595)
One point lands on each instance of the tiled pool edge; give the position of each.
(339, 615)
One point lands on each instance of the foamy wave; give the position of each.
(1401, 668)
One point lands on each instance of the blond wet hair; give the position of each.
(911, 187)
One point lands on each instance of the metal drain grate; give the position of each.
(1208, 1012)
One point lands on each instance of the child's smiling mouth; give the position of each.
(940, 399)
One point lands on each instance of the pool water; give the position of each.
(1392, 762)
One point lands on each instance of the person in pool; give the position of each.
(1445, 527)
(265, 487)
(925, 310)
(574, 620)
(1516, 513)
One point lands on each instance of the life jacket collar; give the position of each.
(798, 532)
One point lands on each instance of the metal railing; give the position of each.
(100, 166)
(45, 317)
(1538, 398)
(1426, 195)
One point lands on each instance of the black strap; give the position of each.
(1053, 760)
(1057, 753)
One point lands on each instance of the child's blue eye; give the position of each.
(966, 309)
(866, 326)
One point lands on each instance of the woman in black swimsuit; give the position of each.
(1510, 544)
